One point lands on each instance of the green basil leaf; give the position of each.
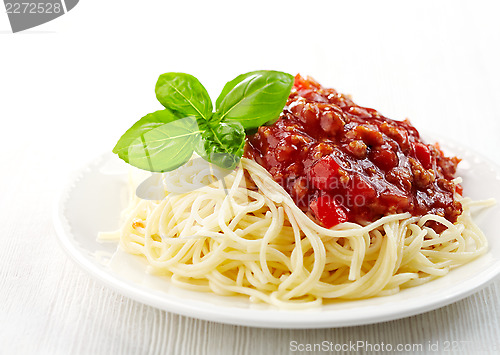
(222, 143)
(254, 98)
(166, 147)
(184, 93)
(145, 124)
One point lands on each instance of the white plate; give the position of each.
(94, 198)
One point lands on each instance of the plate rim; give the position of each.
(248, 316)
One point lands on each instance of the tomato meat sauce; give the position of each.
(343, 162)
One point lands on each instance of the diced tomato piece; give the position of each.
(385, 159)
(328, 211)
(324, 174)
(301, 83)
(423, 154)
(360, 191)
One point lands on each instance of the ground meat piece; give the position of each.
(421, 177)
(358, 149)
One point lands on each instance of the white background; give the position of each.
(71, 87)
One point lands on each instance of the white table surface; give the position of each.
(70, 88)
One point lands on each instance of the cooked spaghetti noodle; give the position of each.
(242, 234)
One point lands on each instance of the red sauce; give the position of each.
(343, 162)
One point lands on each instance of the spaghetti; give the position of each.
(242, 234)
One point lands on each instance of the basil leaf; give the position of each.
(254, 98)
(221, 144)
(166, 147)
(184, 93)
(145, 124)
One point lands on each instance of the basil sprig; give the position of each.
(165, 140)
